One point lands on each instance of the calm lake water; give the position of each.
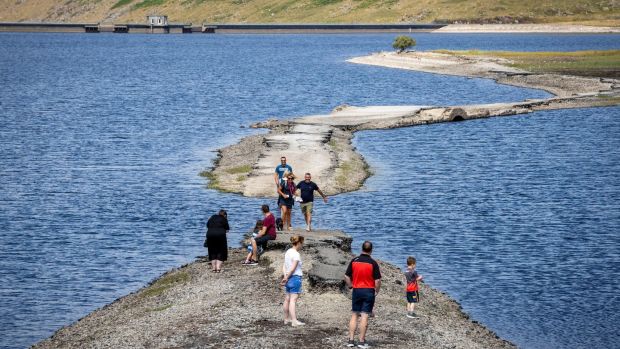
(103, 136)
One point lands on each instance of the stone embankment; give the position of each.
(321, 144)
(191, 307)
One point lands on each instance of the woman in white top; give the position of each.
(292, 280)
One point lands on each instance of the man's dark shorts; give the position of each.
(262, 241)
(363, 300)
(413, 296)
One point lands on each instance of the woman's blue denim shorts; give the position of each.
(293, 285)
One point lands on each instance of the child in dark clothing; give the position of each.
(413, 296)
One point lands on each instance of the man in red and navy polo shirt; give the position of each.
(364, 276)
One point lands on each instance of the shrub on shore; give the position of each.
(403, 42)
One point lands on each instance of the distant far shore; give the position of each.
(526, 28)
(293, 28)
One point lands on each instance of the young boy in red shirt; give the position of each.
(412, 287)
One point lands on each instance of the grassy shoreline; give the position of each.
(600, 63)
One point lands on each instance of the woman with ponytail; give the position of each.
(291, 280)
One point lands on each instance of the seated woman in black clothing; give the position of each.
(216, 243)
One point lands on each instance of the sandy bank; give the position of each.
(191, 307)
(321, 144)
(525, 28)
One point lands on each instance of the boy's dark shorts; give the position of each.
(413, 296)
(363, 300)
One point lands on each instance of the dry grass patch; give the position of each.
(582, 63)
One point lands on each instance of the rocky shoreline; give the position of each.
(191, 307)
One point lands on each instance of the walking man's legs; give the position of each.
(352, 325)
(363, 326)
(309, 219)
(306, 209)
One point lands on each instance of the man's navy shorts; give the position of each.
(363, 300)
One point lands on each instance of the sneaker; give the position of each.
(363, 345)
(412, 315)
(286, 322)
(251, 262)
(297, 323)
(351, 343)
(260, 250)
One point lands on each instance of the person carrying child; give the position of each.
(413, 296)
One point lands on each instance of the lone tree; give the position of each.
(403, 42)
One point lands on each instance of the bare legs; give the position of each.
(254, 250)
(363, 326)
(216, 265)
(290, 311)
(410, 307)
(308, 217)
(286, 217)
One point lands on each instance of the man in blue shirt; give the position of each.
(307, 188)
(280, 171)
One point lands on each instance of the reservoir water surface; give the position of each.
(103, 137)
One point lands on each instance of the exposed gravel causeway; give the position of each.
(191, 307)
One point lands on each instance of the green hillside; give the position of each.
(594, 12)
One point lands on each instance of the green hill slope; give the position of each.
(595, 12)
